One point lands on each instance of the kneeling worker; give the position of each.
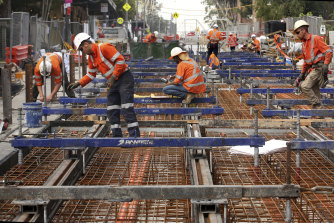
(52, 66)
(105, 58)
(188, 73)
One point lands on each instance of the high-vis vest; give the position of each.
(214, 36)
(314, 50)
(191, 77)
(104, 60)
(150, 39)
(55, 71)
(232, 41)
(257, 44)
(213, 60)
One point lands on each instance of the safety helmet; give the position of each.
(156, 33)
(79, 38)
(176, 51)
(299, 24)
(215, 26)
(48, 67)
(253, 35)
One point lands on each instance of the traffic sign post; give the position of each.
(120, 20)
(175, 15)
(126, 7)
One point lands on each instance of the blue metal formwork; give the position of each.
(286, 102)
(308, 113)
(252, 63)
(292, 75)
(104, 90)
(259, 71)
(300, 144)
(147, 100)
(256, 141)
(139, 111)
(278, 90)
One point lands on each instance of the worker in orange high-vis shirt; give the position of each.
(51, 67)
(232, 41)
(256, 43)
(189, 78)
(151, 37)
(105, 59)
(317, 56)
(214, 36)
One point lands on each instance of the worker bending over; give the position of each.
(256, 43)
(188, 80)
(214, 36)
(232, 41)
(51, 67)
(151, 37)
(317, 56)
(105, 59)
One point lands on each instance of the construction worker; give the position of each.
(51, 67)
(151, 37)
(188, 80)
(232, 41)
(214, 36)
(100, 33)
(256, 43)
(105, 59)
(317, 56)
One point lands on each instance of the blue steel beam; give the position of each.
(313, 112)
(252, 63)
(328, 144)
(286, 102)
(292, 75)
(259, 71)
(104, 90)
(139, 111)
(278, 90)
(257, 141)
(154, 80)
(147, 100)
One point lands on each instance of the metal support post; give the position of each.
(29, 82)
(7, 93)
(20, 121)
(298, 151)
(251, 96)
(268, 97)
(288, 181)
(79, 64)
(20, 156)
(63, 70)
(225, 213)
(44, 79)
(45, 214)
(256, 148)
(229, 77)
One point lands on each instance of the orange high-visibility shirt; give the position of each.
(315, 50)
(214, 36)
(104, 60)
(150, 38)
(257, 44)
(191, 76)
(232, 41)
(55, 70)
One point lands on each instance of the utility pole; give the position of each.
(127, 15)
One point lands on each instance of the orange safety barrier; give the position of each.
(19, 53)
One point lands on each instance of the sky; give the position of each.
(189, 11)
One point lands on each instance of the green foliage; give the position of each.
(309, 14)
(278, 9)
(1, 1)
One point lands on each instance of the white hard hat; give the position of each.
(300, 23)
(156, 33)
(215, 26)
(48, 67)
(253, 35)
(176, 51)
(79, 38)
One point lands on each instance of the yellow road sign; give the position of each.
(126, 7)
(120, 20)
(176, 15)
(147, 30)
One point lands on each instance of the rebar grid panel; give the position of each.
(328, 132)
(37, 166)
(141, 166)
(239, 169)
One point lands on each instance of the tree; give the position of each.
(278, 9)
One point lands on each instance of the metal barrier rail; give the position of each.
(278, 90)
(255, 141)
(139, 111)
(286, 102)
(146, 100)
(312, 112)
(300, 144)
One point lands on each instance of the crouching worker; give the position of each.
(105, 58)
(189, 78)
(52, 66)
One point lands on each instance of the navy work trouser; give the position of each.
(120, 96)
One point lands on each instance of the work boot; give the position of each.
(189, 98)
(317, 106)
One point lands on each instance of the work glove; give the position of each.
(111, 81)
(299, 79)
(325, 75)
(73, 86)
